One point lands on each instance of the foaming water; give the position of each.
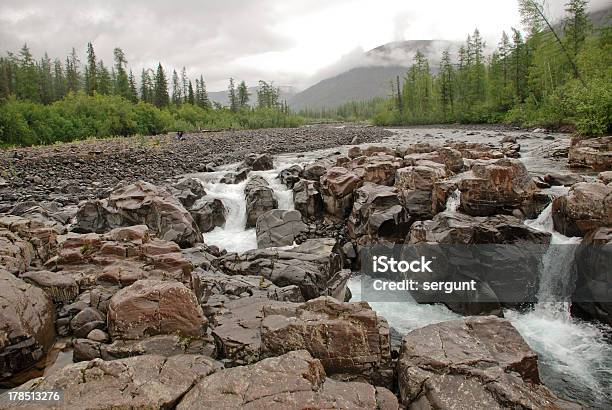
(453, 201)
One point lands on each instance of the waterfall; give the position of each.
(453, 201)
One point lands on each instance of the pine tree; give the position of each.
(243, 95)
(122, 82)
(146, 87)
(26, 76)
(133, 94)
(177, 93)
(184, 84)
(201, 96)
(161, 98)
(576, 25)
(45, 76)
(231, 95)
(59, 80)
(446, 84)
(104, 82)
(190, 95)
(72, 72)
(91, 77)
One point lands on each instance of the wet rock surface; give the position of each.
(586, 207)
(279, 228)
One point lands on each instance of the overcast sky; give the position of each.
(287, 41)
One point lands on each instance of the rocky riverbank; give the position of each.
(163, 307)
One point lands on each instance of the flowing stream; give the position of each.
(575, 356)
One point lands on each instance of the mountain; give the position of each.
(221, 97)
(371, 77)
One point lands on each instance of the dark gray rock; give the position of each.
(278, 228)
(259, 199)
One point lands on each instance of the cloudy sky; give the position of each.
(288, 41)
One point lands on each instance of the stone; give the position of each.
(26, 243)
(480, 361)
(309, 266)
(378, 169)
(148, 381)
(563, 178)
(208, 214)
(259, 199)
(188, 191)
(595, 153)
(292, 381)
(136, 204)
(290, 176)
(61, 288)
(605, 177)
(150, 307)
(415, 187)
(279, 228)
(497, 186)
(98, 335)
(87, 320)
(259, 162)
(26, 324)
(592, 296)
(307, 199)
(586, 207)
(377, 215)
(235, 177)
(337, 186)
(162, 345)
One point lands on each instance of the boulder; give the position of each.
(378, 169)
(188, 191)
(148, 381)
(150, 307)
(26, 324)
(477, 361)
(292, 381)
(605, 177)
(309, 266)
(208, 214)
(498, 186)
(290, 176)
(259, 199)
(26, 242)
(563, 178)
(307, 199)
(259, 162)
(595, 153)
(163, 345)
(87, 320)
(140, 203)
(415, 185)
(16, 254)
(586, 207)
(350, 339)
(592, 296)
(337, 186)
(61, 288)
(377, 215)
(279, 228)
(317, 169)
(235, 177)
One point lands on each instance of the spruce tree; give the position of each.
(190, 95)
(122, 82)
(104, 82)
(576, 25)
(243, 95)
(46, 90)
(184, 84)
(161, 98)
(177, 93)
(91, 79)
(72, 72)
(133, 93)
(232, 97)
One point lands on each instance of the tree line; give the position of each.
(551, 76)
(44, 100)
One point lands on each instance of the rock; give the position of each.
(354, 152)
(586, 207)
(509, 138)
(563, 178)
(150, 307)
(26, 325)
(290, 176)
(208, 214)
(317, 169)
(278, 228)
(61, 288)
(85, 321)
(415, 186)
(137, 382)
(309, 266)
(98, 335)
(235, 177)
(506, 274)
(378, 169)
(140, 203)
(292, 381)
(377, 215)
(497, 187)
(162, 345)
(481, 360)
(16, 254)
(605, 177)
(188, 191)
(592, 296)
(595, 153)
(25, 243)
(258, 162)
(337, 186)
(350, 339)
(307, 199)
(259, 199)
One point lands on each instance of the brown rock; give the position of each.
(307, 198)
(337, 186)
(279, 228)
(259, 199)
(587, 206)
(292, 381)
(593, 153)
(150, 307)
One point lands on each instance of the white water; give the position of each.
(453, 201)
